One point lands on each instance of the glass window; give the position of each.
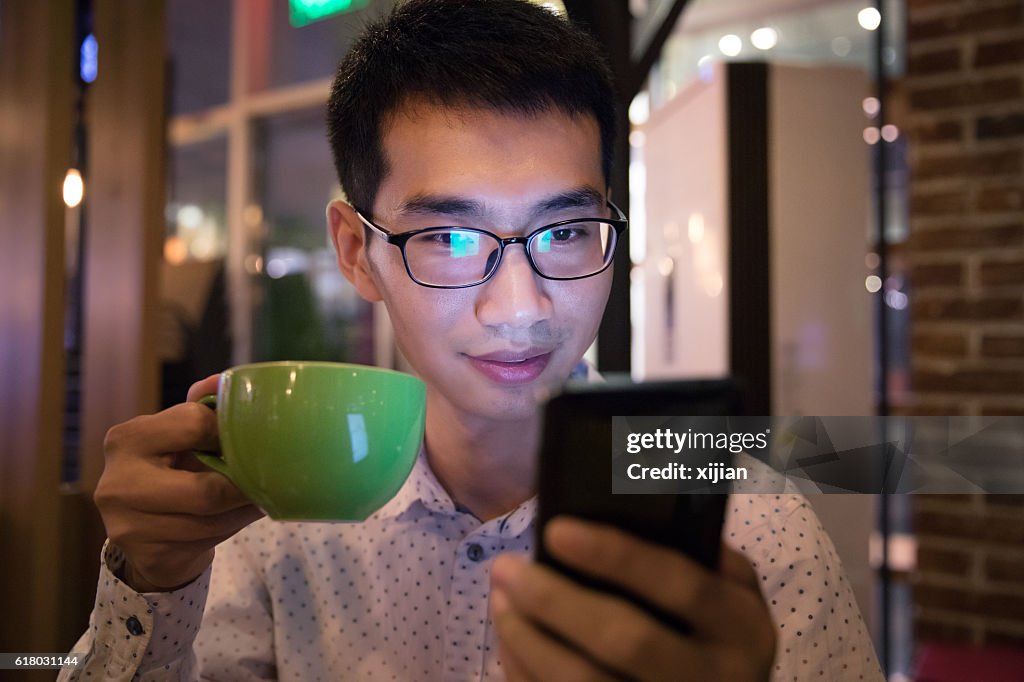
(305, 53)
(199, 47)
(822, 34)
(196, 201)
(194, 340)
(835, 32)
(305, 308)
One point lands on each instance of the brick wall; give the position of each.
(965, 120)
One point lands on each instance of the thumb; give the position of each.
(207, 386)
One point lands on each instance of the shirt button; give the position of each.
(475, 552)
(134, 626)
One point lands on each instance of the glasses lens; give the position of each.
(451, 257)
(573, 250)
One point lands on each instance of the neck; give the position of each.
(487, 466)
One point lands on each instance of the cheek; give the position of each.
(585, 301)
(410, 306)
(423, 317)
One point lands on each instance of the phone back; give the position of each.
(575, 467)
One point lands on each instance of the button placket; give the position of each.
(475, 552)
(466, 629)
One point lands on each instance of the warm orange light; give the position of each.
(74, 188)
(175, 250)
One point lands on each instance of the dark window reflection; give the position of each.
(305, 309)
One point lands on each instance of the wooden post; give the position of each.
(35, 140)
(126, 223)
(120, 368)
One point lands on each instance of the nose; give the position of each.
(514, 296)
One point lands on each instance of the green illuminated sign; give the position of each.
(303, 12)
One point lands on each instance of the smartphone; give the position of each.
(575, 470)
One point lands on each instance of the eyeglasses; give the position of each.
(460, 257)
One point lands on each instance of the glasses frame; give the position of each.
(620, 225)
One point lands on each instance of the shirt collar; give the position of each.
(422, 491)
(420, 486)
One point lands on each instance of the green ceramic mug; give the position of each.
(317, 440)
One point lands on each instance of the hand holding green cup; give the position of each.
(317, 440)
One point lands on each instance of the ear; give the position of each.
(348, 236)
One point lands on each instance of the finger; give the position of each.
(659, 575)
(146, 528)
(510, 665)
(145, 486)
(532, 653)
(737, 568)
(187, 461)
(611, 630)
(507, 658)
(204, 493)
(186, 426)
(165, 566)
(203, 387)
(172, 550)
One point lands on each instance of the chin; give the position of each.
(520, 403)
(512, 413)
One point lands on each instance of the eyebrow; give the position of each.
(580, 197)
(453, 205)
(433, 204)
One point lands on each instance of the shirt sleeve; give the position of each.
(139, 636)
(819, 629)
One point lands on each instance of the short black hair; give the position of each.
(505, 55)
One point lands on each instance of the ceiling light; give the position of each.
(869, 18)
(764, 38)
(730, 45)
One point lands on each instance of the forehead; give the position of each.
(487, 155)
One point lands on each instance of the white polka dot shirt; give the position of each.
(403, 596)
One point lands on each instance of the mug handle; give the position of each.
(211, 460)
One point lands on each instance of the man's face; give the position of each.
(493, 349)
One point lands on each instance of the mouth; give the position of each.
(512, 367)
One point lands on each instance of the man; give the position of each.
(494, 115)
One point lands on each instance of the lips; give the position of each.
(512, 367)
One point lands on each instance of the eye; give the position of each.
(567, 235)
(457, 243)
(439, 238)
(564, 234)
